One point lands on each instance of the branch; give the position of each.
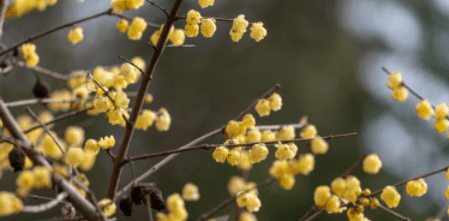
(27, 109)
(148, 202)
(45, 206)
(78, 201)
(3, 6)
(213, 146)
(216, 19)
(180, 46)
(316, 215)
(42, 70)
(38, 101)
(311, 210)
(141, 71)
(55, 29)
(266, 95)
(359, 161)
(158, 6)
(394, 213)
(130, 124)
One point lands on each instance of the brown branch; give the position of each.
(38, 101)
(394, 213)
(158, 6)
(151, 25)
(78, 201)
(141, 71)
(232, 199)
(166, 160)
(61, 117)
(148, 202)
(27, 109)
(266, 95)
(405, 181)
(216, 19)
(213, 146)
(441, 213)
(130, 125)
(180, 46)
(42, 70)
(45, 206)
(44, 198)
(349, 171)
(316, 215)
(3, 6)
(56, 29)
(108, 151)
(311, 210)
(233, 212)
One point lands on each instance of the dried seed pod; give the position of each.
(68, 211)
(41, 89)
(17, 159)
(126, 206)
(156, 198)
(137, 194)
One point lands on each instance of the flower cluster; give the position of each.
(206, 3)
(39, 177)
(75, 35)
(29, 54)
(9, 203)
(273, 103)
(237, 128)
(318, 144)
(138, 26)
(122, 25)
(107, 206)
(123, 5)
(20, 7)
(248, 200)
(239, 26)
(325, 200)
(285, 171)
(237, 184)
(348, 188)
(286, 151)
(176, 209)
(176, 36)
(398, 91)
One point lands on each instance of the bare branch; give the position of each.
(394, 213)
(159, 7)
(42, 70)
(3, 6)
(45, 206)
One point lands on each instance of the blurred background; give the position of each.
(326, 54)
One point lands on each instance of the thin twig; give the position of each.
(180, 46)
(45, 198)
(349, 171)
(158, 6)
(55, 29)
(91, 196)
(405, 181)
(38, 101)
(42, 70)
(266, 95)
(216, 19)
(148, 202)
(311, 210)
(61, 117)
(45, 206)
(316, 215)
(3, 6)
(27, 109)
(394, 213)
(130, 125)
(213, 146)
(131, 63)
(441, 213)
(233, 212)
(108, 151)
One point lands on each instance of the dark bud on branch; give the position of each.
(41, 89)
(126, 206)
(17, 159)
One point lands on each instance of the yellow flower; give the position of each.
(208, 27)
(74, 135)
(235, 35)
(9, 204)
(155, 37)
(148, 98)
(75, 35)
(287, 133)
(284, 152)
(42, 177)
(163, 120)
(235, 128)
(92, 146)
(268, 135)
(399, 94)
(60, 95)
(258, 32)
(193, 17)
(122, 25)
(248, 121)
(145, 119)
(121, 100)
(249, 200)
(303, 165)
(235, 185)
(258, 153)
(275, 102)
(177, 37)
(319, 145)
(29, 54)
(333, 204)
(234, 156)
(441, 111)
(175, 202)
(107, 142)
(374, 203)
(390, 196)
(416, 187)
(88, 161)
(206, 3)
(441, 125)
(220, 154)
(77, 79)
(263, 107)
(25, 180)
(338, 186)
(191, 30)
(138, 26)
(102, 103)
(447, 192)
(372, 164)
(424, 109)
(253, 135)
(308, 131)
(321, 196)
(240, 24)
(287, 181)
(190, 192)
(247, 216)
(108, 206)
(279, 169)
(394, 80)
(74, 156)
(245, 161)
(118, 5)
(49, 148)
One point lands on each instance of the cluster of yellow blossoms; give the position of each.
(398, 92)
(29, 54)
(75, 35)
(39, 177)
(107, 206)
(190, 192)
(176, 209)
(21, 7)
(248, 200)
(135, 31)
(273, 103)
(206, 3)
(123, 5)
(176, 36)
(9, 203)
